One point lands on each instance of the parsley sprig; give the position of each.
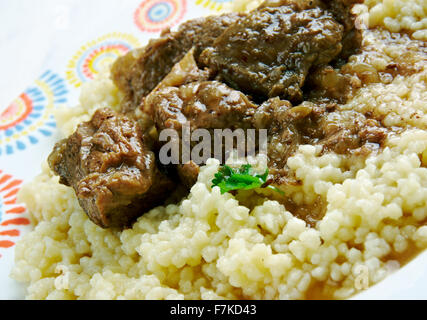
(229, 179)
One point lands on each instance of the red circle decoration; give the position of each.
(156, 15)
(17, 111)
(12, 214)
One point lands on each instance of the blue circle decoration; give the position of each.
(30, 117)
(156, 15)
(160, 11)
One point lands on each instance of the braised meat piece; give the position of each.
(352, 39)
(279, 118)
(114, 175)
(280, 54)
(269, 52)
(204, 104)
(345, 131)
(342, 132)
(137, 73)
(328, 84)
(341, 11)
(297, 5)
(184, 72)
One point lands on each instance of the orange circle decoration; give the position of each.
(17, 111)
(98, 54)
(156, 15)
(12, 215)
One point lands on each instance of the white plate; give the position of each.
(57, 43)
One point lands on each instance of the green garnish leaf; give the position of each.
(229, 179)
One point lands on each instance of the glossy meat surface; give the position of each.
(343, 132)
(269, 52)
(283, 67)
(137, 73)
(200, 105)
(114, 175)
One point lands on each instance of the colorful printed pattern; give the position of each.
(155, 15)
(29, 117)
(215, 5)
(98, 54)
(11, 214)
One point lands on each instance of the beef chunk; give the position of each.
(185, 71)
(341, 11)
(114, 175)
(346, 131)
(352, 38)
(339, 131)
(188, 173)
(297, 5)
(137, 73)
(269, 52)
(328, 84)
(204, 104)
